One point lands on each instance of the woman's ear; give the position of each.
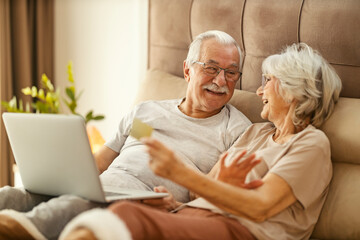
(186, 70)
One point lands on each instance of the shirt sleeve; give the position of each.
(307, 167)
(119, 138)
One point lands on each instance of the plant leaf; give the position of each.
(33, 91)
(89, 114)
(70, 94)
(99, 117)
(26, 91)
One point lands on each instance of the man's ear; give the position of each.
(186, 70)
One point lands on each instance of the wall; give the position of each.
(107, 42)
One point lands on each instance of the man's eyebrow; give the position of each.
(215, 62)
(212, 61)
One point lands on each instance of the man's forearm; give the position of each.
(104, 157)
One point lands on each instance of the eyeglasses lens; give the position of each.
(213, 70)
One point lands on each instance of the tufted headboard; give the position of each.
(262, 28)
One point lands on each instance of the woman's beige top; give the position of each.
(303, 162)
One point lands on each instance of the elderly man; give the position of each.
(199, 127)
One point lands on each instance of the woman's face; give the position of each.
(275, 108)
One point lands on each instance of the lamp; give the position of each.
(95, 138)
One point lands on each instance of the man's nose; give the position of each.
(220, 79)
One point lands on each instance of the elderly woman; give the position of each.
(271, 184)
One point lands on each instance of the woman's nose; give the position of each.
(259, 91)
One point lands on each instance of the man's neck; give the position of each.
(194, 112)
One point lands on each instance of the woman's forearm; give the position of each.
(231, 193)
(232, 199)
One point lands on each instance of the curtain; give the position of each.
(26, 51)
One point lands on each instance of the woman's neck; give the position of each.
(285, 128)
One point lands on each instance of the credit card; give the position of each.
(140, 129)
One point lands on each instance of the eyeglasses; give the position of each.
(265, 78)
(213, 70)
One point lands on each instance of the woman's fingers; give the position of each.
(253, 184)
(222, 159)
(238, 157)
(250, 164)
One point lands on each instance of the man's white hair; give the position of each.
(306, 76)
(219, 36)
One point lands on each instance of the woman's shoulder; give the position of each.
(311, 139)
(313, 136)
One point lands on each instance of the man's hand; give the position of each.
(236, 172)
(166, 204)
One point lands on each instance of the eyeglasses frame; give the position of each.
(219, 70)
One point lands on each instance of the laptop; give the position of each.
(54, 157)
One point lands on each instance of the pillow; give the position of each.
(343, 131)
(159, 85)
(339, 218)
(249, 104)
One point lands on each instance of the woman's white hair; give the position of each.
(306, 76)
(219, 36)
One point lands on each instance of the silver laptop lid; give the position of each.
(53, 154)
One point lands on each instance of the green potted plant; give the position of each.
(47, 99)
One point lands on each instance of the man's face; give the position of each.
(207, 93)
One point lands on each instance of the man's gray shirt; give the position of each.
(197, 141)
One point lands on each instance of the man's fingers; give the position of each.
(160, 189)
(152, 143)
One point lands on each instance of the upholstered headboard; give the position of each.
(262, 28)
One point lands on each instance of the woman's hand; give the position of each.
(166, 204)
(163, 161)
(236, 172)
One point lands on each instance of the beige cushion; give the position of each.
(262, 28)
(343, 130)
(248, 103)
(339, 218)
(159, 85)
